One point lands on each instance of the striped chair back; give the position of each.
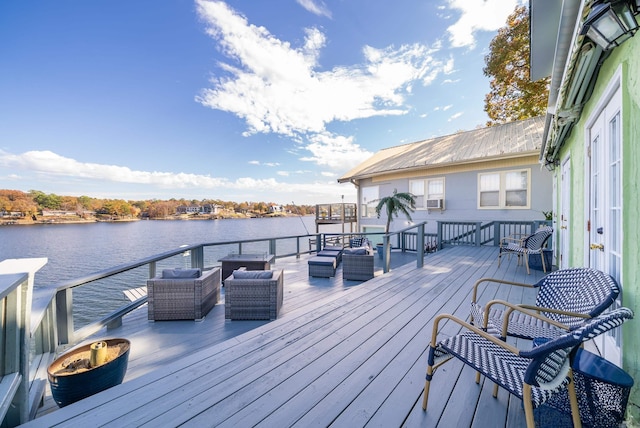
(550, 359)
(536, 241)
(581, 290)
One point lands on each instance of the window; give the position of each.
(425, 189)
(435, 188)
(370, 196)
(416, 188)
(504, 189)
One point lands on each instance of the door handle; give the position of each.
(597, 247)
(563, 227)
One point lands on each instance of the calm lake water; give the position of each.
(75, 250)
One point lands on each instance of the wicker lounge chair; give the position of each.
(534, 375)
(248, 296)
(524, 247)
(183, 298)
(565, 297)
(357, 264)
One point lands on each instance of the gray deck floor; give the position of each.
(344, 354)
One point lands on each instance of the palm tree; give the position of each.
(395, 204)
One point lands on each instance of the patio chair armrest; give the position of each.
(555, 311)
(498, 281)
(512, 239)
(472, 328)
(511, 307)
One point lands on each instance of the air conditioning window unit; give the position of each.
(435, 204)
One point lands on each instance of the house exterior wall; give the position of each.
(461, 194)
(626, 59)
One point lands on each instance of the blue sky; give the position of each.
(242, 100)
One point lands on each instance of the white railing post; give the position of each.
(18, 296)
(64, 316)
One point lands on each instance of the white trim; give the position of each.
(502, 190)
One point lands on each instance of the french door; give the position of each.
(604, 225)
(565, 213)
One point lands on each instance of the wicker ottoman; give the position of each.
(324, 267)
(337, 254)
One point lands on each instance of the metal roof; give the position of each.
(514, 139)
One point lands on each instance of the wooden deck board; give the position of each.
(342, 353)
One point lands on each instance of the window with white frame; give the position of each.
(504, 189)
(416, 188)
(425, 189)
(435, 188)
(369, 197)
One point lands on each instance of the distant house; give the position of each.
(58, 213)
(210, 209)
(276, 209)
(481, 175)
(591, 143)
(188, 209)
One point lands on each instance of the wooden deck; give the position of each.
(343, 354)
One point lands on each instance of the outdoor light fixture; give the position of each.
(610, 24)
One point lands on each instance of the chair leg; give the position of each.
(526, 262)
(425, 395)
(528, 406)
(544, 268)
(573, 400)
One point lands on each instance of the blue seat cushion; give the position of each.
(324, 261)
(252, 274)
(329, 253)
(181, 273)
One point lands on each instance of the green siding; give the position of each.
(626, 55)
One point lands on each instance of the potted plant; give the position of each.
(393, 205)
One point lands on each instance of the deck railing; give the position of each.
(13, 378)
(483, 233)
(52, 323)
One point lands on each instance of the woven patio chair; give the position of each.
(565, 297)
(357, 264)
(253, 295)
(533, 375)
(524, 247)
(182, 298)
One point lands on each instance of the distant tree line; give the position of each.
(33, 202)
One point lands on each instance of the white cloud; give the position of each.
(58, 170)
(52, 164)
(447, 107)
(276, 88)
(455, 116)
(335, 152)
(478, 15)
(315, 7)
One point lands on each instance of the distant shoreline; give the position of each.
(67, 220)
